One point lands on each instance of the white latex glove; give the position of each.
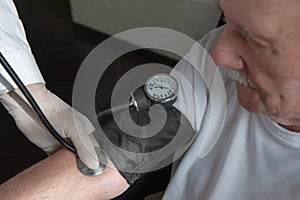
(68, 122)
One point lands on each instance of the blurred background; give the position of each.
(63, 32)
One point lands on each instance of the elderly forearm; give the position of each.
(57, 177)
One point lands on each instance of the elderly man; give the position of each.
(258, 153)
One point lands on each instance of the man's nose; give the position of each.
(226, 52)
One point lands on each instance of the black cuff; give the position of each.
(134, 156)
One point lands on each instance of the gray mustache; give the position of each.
(241, 77)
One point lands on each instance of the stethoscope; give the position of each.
(160, 89)
(81, 166)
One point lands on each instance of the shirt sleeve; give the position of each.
(193, 94)
(16, 50)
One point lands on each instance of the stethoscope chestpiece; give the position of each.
(93, 172)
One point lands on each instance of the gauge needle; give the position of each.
(160, 86)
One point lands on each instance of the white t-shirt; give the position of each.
(15, 49)
(254, 158)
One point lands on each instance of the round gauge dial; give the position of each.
(161, 88)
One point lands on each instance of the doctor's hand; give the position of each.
(68, 122)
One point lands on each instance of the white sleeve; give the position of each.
(15, 48)
(193, 93)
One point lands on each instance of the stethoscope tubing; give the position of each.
(34, 104)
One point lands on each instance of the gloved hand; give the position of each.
(68, 122)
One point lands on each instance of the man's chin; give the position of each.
(249, 99)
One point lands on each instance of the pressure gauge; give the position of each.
(159, 89)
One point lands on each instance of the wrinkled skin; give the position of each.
(263, 40)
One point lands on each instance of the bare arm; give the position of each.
(57, 177)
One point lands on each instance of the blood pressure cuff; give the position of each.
(138, 142)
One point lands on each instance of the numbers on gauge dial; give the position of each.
(162, 87)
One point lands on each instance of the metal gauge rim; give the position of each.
(161, 75)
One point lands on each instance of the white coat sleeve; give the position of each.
(15, 48)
